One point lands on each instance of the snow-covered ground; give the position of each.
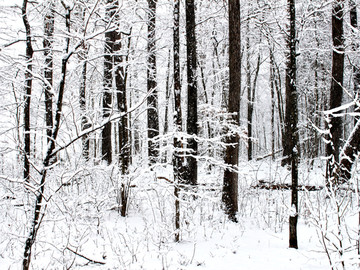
(82, 220)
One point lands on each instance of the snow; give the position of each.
(81, 217)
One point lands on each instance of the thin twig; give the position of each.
(84, 257)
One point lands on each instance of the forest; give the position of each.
(179, 134)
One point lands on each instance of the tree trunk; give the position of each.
(336, 91)
(192, 116)
(110, 39)
(178, 158)
(124, 140)
(230, 188)
(48, 70)
(272, 90)
(27, 90)
(85, 123)
(251, 102)
(248, 88)
(291, 120)
(167, 96)
(152, 101)
(356, 69)
(51, 146)
(277, 84)
(350, 153)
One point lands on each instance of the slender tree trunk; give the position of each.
(178, 158)
(27, 90)
(82, 100)
(230, 188)
(251, 102)
(291, 125)
(248, 88)
(49, 22)
(350, 153)
(192, 116)
(39, 205)
(272, 90)
(167, 94)
(317, 104)
(123, 136)
(336, 91)
(85, 124)
(152, 101)
(356, 69)
(352, 147)
(277, 84)
(315, 147)
(110, 39)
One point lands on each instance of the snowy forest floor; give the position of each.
(82, 221)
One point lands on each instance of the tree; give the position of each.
(111, 37)
(356, 69)
(336, 90)
(83, 54)
(230, 188)
(352, 146)
(49, 22)
(152, 101)
(291, 119)
(38, 210)
(123, 136)
(178, 159)
(192, 116)
(28, 88)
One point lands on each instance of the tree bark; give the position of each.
(272, 91)
(230, 188)
(356, 69)
(336, 91)
(291, 121)
(27, 90)
(152, 101)
(110, 39)
(349, 153)
(248, 88)
(178, 158)
(49, 23)
(192, 116)
(85, 124)
(123, 136)
(50, 150)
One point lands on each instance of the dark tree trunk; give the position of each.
(251, 102)
(350, 153)
(27, 94)
(352, 146)
(356, 69)
(48, 70)
(38, 212)
(152, 101)
(85, 124)
(82, 100)
(230, 188)
(291, 120)
(167, 96)
(336, 91)
(250, 106)
(178, 158)
(289, 87)
(272, 90)
(124, 140)
(110, 39)
(192, 117)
